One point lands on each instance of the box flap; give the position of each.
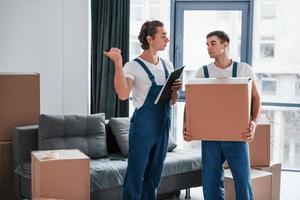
(255, 173)
(238, 80)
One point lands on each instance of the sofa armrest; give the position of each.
(24, 140)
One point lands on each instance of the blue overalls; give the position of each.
(214, 153)
(148, 142)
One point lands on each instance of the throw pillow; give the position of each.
(120, 130)
(86, 133)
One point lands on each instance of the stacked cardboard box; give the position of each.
(19, 105)
(265, 183)
(259, 148)
(275, 169)
(261, 185)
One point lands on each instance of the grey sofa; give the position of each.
(182, 170)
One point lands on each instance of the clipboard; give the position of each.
(165, 92)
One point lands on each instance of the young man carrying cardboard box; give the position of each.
(214, 153)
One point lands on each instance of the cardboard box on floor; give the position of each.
(64, 177)
(259, 148)
(218, 109)
(261, 185)
(275, 169)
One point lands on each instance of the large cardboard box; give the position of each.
(261, 185)
(275, 169)
(6, 177)
(259, 148)
(19, 101)
(64, 177)
(218, 109)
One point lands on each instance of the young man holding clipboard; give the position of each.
(150, 123)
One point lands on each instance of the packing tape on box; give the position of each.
(51, 155)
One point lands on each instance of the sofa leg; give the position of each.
(187, 193)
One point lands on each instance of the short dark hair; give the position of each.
(148, 29)
(221, 35)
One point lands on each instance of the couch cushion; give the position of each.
(86, 133)
(110, 171)
(111, 142)
(120, 129)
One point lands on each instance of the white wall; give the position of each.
(50, 37)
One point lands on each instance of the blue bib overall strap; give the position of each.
(206, 75)
(234, 70)
(214, 153)
(148, 142)
(150, 75)
(165, 69)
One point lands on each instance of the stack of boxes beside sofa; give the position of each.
(19, 105)
(223, 114)
(265, 176)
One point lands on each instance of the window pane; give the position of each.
(268, 10)
(275, 51)
(269, 87)
(155, 12)
(194, 146)
(266, 50)
(269, 28)
(141, 11)
(154, 1)
(285, 137)
(194, 42)
(134, 2)
(277, 64)
(297, 86)
(136, 13)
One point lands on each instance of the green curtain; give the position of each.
(110, 28)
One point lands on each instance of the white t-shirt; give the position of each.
(243, 70)
(141, 81)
